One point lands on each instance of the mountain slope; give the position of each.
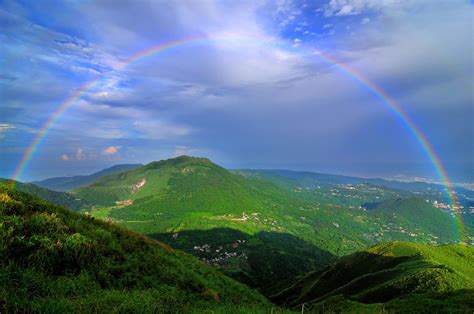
(54, 260)
(394, 274)
(183, 187)
(192, 198)
(69, 183)
(228, 220)
(55, 197)
(414, 212)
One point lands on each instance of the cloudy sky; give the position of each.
(251, 92)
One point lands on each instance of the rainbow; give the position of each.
(353, 73)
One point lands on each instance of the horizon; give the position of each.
(247, 94)
(400, 178)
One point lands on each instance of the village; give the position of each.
(219, 255)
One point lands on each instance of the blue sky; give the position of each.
(241, 101)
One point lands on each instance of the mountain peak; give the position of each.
(179, 161)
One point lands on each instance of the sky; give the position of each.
(251, 92)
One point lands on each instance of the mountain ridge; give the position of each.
(62, 184)
(386, 274)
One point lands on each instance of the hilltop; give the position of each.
(397, 276)
(55, 260)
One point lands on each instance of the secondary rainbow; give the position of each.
(353, 73)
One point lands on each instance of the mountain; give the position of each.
(191, 202)
(57, 261)
(397, 276)
(69, 183)
(255, 230)
(308, 179)
(55, 197)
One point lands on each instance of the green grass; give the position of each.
(388, 276)
(58, 198)
(57, 261)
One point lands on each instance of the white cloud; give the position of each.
(346, 10)
(4, 128)
(354, 7)
(64, 157)
(111, 150)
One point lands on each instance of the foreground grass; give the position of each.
(57, 261)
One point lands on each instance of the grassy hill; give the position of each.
(55, 197)
(391, 276)
(57, 261)
(189, 202)
(68, 183)
(414, 212)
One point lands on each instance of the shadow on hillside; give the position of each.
(363, 277)
(257, 260)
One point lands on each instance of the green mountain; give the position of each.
(188, 202)
(228, 220)
(58, 198)
(322, 183)
(285, 241)
(68, 183)
(397, 276)
(414, 212)
(312, 179)
(57, 261)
